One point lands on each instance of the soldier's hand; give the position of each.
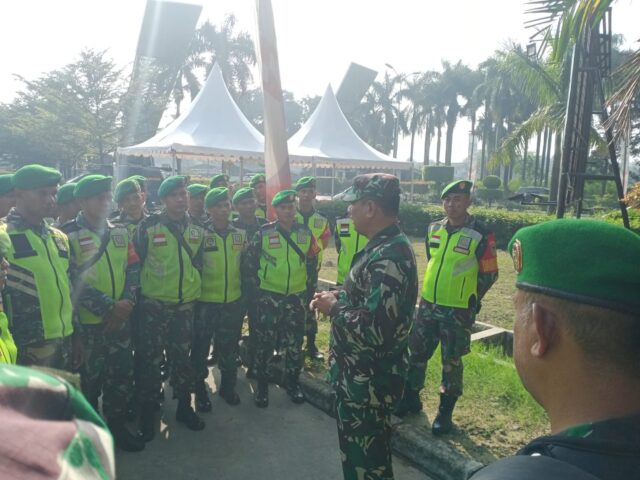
(122, 309)
(323, 302)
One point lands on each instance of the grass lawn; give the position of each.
(495, 416)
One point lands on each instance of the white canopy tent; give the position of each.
(212, 127)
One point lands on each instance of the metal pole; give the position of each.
(241, 171)
(333, 179)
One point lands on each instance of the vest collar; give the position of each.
(16, 220)
(82, 222)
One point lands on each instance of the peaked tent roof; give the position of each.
(211, 127)
(327, 138)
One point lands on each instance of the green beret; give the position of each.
(169, 184)
(216, 195)
(65, 193)
(221, 180)
(459, 186)
(196, 189)
(125, 187)
(258, 178)
(243, 194)
(283, 197)
(585, 261)
(92, 185)
(373, 185)
(6, 185)
(140, 180)
(35, 176)
(305, 182)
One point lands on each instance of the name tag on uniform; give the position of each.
(463, 245)
(159, 240)
(302, 236)
(118, 241)
(194, 235)
(86, 243)
(274, 241)
(210, 244)
(236, 239)
(344, 230)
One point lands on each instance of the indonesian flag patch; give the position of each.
(344, 229)
(159, 240)
(274, 241)
(435, 239)
(86, 244)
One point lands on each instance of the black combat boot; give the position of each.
(228, 388)
(443, 424)
(261, 397)
(203, 404)
(409, 403)
(148, 421)
(186, 415)
(312, 350)
(251, 372)
(123, 438)
(294, 390)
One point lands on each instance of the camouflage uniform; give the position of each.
(108, 365)
(449, 326)
(368, 357)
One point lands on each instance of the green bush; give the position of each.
(514, 185)
(492, 182)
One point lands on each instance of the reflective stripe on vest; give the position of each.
(451, 279)
(39, 270)
(221, 281)
(281, 269)
(351, 242)
(109, 273)
(167, 272)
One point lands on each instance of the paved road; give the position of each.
(283, 442)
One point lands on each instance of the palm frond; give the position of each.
(623, 98)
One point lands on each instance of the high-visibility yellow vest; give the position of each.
(281, 268)
(351, 242)
(8, 349)
(38, 288)
(221, 279)
(317, 223)
(108, 274)
(451, 279)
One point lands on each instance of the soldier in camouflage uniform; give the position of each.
(38, 293)
(283, 262)
(462, 266)
(197, 212)
(259, 185)
(105, 272)
(370, 321)
(319, 226)
(244, 202)
(170, 247)
(67, 207)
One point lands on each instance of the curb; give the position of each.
(415, 443)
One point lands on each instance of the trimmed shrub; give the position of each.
(492, 182)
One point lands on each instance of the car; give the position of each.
(530, 194)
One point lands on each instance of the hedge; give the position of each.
(414, 219)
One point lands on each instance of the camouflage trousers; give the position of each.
(280, 323)
(223, 321)
(108, 369)
(252, 318)
(165, 326)
(451, 327)
(54, 353)
(364, 434)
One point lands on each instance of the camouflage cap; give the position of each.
(126, 187)
(459, 186)
(196, 189)
(65, 193)
(283, 197)
(599, 262)
(6, 185)
(258, 178)
(35, 176)
(170, 184)
(216, 195)
(220, 180)
(243, 194)
(92, 185)
(373, 185)
(305, 182)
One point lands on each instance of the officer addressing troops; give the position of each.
(283, 262)
(259, 185)
(38, 291)
(67, 207)
(197, 192)
(244, 201)
(575, 347)
(462, 266)
(370, 321)
(348, 242)
(319, 226)
(7, 194)
(170, 248)
(105, 272)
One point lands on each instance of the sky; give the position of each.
(317, 39)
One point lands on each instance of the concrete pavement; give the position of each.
(284, 441)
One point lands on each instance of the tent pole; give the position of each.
(241, 171)
(411, 194)
(174, 161)
(333, 179)
(313, 165)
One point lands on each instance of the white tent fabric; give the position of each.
(212, 127)
(327, 139)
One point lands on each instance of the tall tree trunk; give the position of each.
(473, 143)
(438, 144)
(413, 138)
(548, 159)
(427, 142)
(483, 156)
(537, 164)
(555, 168)
(523, 174)
(543, 159)
(452, 116)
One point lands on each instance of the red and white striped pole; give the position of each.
(276, 155)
